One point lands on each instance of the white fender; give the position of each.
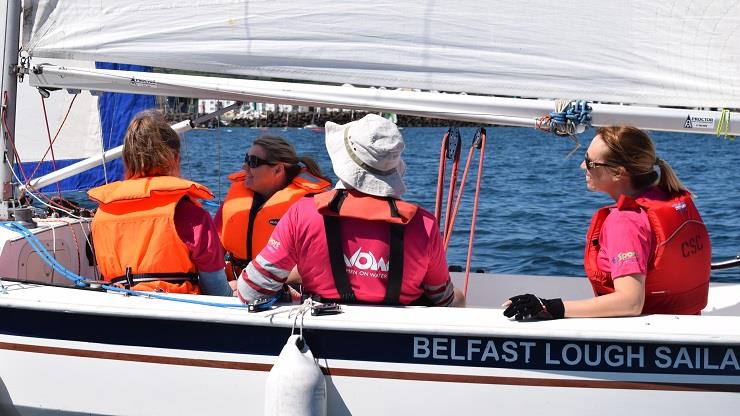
(295, 385)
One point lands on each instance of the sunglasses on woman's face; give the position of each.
(590, 164)
(254, 162)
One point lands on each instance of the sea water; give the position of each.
(534, 208)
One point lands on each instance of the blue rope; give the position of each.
(165, 297)
(80, 281)
(41, 250)
(575, 113)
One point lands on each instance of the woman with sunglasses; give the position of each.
(150, 232)
(649, 253)
(272, 178)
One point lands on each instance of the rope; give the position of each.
(455, 134)
(80, 281)
(64, 120)
(453, 214)
(569, 118)
(723, 127)
(441, 176)
(43, 253)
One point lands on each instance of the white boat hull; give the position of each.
(86, 352)
(73, 351)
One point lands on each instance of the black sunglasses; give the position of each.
(590, 164)
(254, 162)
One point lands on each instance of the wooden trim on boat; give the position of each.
(396, 375)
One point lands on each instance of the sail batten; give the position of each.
(657, 53)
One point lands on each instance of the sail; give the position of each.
(79, 126)
(645, 52)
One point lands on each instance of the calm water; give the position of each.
(534, 207)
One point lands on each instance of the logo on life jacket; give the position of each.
(366, 261)
(680, 208)
(273, 221)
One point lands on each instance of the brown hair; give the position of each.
(150, 146)
(632, 149)
(280, 151)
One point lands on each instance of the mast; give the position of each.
(9, 89)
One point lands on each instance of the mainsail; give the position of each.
(642, 52)
(662, 65)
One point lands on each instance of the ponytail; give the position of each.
(312, 167)
(669, 182)
(632, 149)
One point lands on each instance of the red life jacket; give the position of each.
(335, 204)
(677, 280)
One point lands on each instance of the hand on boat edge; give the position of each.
(530, 308)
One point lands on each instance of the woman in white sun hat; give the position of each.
(359, 243)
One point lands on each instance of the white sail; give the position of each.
(649, 52)
(80, 133)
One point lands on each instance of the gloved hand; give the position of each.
(530, 307)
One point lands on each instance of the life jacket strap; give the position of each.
(339, 271)
(395, 271)
(131, 279)
(241, 263)
(257, 202)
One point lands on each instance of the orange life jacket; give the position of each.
(337, 204)
(677, 280)
(134, 234)
(245, 229)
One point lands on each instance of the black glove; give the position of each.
(530, 307)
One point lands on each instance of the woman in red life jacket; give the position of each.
(358, 243)
(272, 178)
(649, 252)
(150, 232)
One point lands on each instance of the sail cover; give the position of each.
(648, 52)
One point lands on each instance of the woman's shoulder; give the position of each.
(627, 218)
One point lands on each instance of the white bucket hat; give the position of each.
(366, 155)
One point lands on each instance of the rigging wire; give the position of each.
(218, 157)
(64, 120)
(11, 139)
(51, 143)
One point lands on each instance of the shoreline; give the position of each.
(276, 119)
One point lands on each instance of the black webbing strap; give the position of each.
(336, 202)
(395, 270)
(338, 270)
(257, 201)
(131, 279)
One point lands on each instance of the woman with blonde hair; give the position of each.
(272, 178)
(150, 232)
(649, 253)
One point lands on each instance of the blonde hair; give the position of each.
(280, 150)
(150, 147)
(632, 149)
